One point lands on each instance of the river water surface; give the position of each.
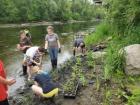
(12, 58)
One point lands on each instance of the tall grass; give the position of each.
(102, 31)
(115, 56)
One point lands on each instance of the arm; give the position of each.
(46, 44)
(59, 46)
(7, 82)
(35, 83)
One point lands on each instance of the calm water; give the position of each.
(12, 58)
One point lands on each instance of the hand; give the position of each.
(59, 50)
(38, 64)
(11, 82)
(18, 46)
(46, 51)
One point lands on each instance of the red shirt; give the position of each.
(3, 87)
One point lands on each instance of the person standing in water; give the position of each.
(24, 44)
(4, 83)
(52, 45)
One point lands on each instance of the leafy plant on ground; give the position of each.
(97, 83)
(107, 99)
(90, 60)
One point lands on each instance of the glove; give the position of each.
(46, 51)
(59, 50)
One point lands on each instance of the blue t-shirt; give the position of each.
(44, 80)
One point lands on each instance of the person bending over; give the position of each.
(43, 85)
(79, 46)
(34, 58)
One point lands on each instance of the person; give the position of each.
(79, 45)
(23, 45)
(43, 86)
(28, 35)
(3, 85)
(34, 58)
(52, 44)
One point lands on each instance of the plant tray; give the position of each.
(72, 95)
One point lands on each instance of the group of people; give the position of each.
(32, 62)
(31, 65)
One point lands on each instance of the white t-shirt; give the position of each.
(31, 52)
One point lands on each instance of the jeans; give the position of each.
(53, 53)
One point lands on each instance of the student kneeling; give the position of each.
(43, 85)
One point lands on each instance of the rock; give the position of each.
(132, 59)
(98, 56)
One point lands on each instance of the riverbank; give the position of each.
(93, 88)
(115, 67)
(41, 23)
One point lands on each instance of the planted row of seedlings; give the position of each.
(77, 76)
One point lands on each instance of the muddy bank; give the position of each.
(93, 89)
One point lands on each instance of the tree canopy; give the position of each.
(51, 10)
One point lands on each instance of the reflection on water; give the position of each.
(12, 58)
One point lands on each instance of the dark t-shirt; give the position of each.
(44, 80)
(25, 42)
(78, 41)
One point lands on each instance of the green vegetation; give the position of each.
(119, 29)
(48, 10)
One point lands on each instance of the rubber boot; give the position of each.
(55, 63)
(24, 68)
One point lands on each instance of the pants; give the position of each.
(53, 55)
(24, 67)
(5, 102)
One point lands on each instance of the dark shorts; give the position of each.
(31, 64)
(5, 102)
(82, 46)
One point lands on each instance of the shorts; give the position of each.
(29, 62)
(5, 102)
(32, 64)
(82, 46)
(52, 93)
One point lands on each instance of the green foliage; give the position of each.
(123, 14)
(90, 60)
(122, 24)
(107, 98)
(135, 98)
(50, 10)
(102, 31)
(77, 75)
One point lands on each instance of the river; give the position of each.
(9, 37)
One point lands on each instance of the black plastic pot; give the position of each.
(72, 95)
